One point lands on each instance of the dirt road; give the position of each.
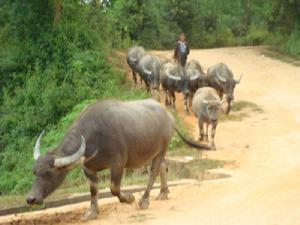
(264, 187)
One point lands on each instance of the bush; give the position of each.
(256, 36)
(293, 43)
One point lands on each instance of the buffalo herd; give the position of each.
(203, 92)
(115, 135)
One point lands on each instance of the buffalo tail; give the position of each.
(192, 143)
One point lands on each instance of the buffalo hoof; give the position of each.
(90, 215)
(213, 147)
(205, 138)
(144, 203)
(162, 196)
(130, 199)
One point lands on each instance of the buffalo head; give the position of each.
(228, 86)
(212, 108)
(183, 81)
(133, 62)
(151, 78)
(51, 170)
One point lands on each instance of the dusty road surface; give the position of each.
(264, 187)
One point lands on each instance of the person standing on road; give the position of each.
(181, 50)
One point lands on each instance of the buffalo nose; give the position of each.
(30, 200)
(214, 120)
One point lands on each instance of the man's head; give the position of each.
(182, 37)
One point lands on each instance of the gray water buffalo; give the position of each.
(174, 79)
(221, 78)
(134, 54)
(206, 106)
(194, 68)
(148, 68)
(110, 135)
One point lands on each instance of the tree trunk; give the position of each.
(57, 11)
(247, 9)
(97, 3)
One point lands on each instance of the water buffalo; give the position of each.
(110, 135)
(148, 68)
(174, 79)
(221, 78)
(194, 68)
(206, 106)
(133, 56)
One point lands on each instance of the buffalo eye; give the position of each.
(48, 174)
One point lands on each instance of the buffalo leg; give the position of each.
(191, 100)
(155, 167)
(93, 211)
(170, 98)
(221, 94)
(213, 132)
(166, 98)
(186, 107)
(141, 80)
(173, 98)
(201, 129)
(147, 87)
(116, 177)
(164, 190)
(134, 76)
(206, 132)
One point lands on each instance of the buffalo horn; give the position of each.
(69, 160)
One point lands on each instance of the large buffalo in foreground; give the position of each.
(221, 78)
(148, 68)
(134, 54)
(193, 68)
(174, 79)
(206, 106)
(109, 135)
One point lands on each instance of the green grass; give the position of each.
(240, 105)
(280, 55)
(240, 110)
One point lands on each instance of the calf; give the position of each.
(206, 106)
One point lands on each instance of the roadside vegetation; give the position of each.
(241, 110)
